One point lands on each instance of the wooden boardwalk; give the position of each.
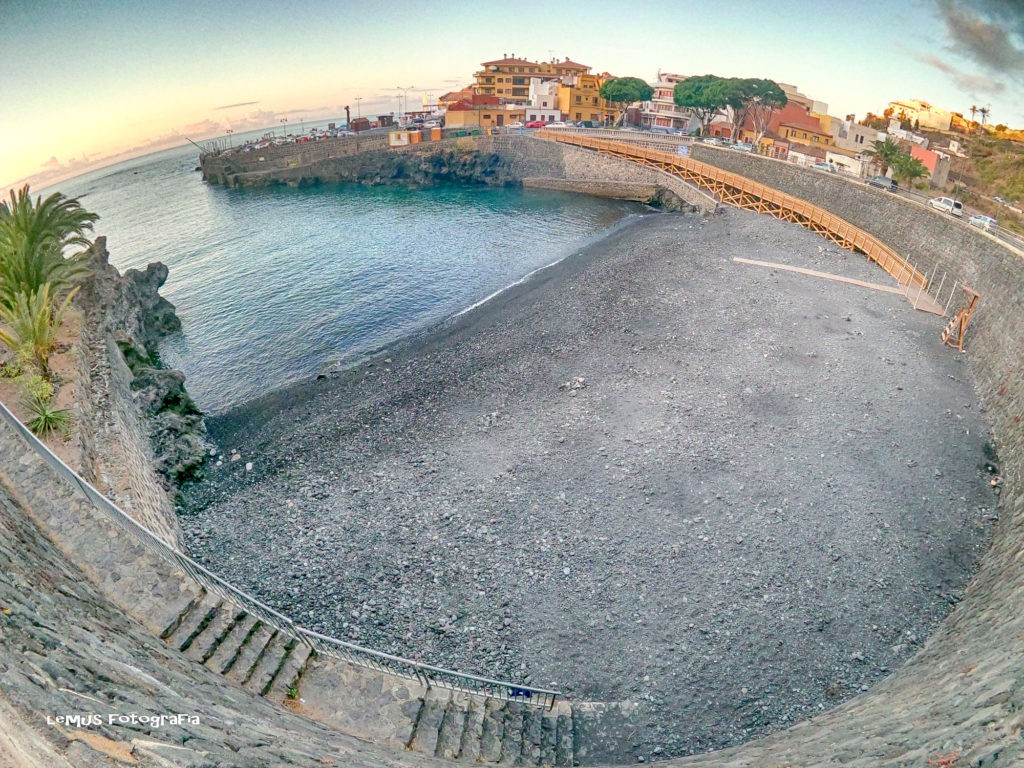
(739, 191)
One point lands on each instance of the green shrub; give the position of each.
(45, 419)
(34, 319)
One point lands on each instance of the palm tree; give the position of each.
(984, 114)
(33, 238)
(974, 111)
(33, 320)
(884, 153)
(906, 168)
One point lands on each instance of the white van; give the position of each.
(947, 204)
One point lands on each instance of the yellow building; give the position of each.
(508, 78)
(579, 99)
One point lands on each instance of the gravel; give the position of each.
(731, 494)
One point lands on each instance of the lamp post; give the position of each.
(405, 94)
(229, 132)
(359, 112)
(284, 125)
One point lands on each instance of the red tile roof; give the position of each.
(524, 63)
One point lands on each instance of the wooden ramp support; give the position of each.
(741, 192)
(953, 333)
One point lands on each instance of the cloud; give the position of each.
(973, 84)
(239, 104)
(989, 33)
(203, 126)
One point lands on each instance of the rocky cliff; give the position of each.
(125, 319)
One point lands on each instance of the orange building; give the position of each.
(508, 78)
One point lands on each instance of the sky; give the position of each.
(84, 84)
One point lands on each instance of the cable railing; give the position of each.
(427, 674)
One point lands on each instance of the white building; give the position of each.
(922, 113)
(543, 101)
(661, 111)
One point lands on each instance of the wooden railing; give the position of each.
(733, 189)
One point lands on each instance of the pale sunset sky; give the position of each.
(86, 83)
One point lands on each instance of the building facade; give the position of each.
(508, 78)
(662, 111)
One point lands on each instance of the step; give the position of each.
(274, 654)
(531, 748)
(449, 741)
(428, 723)
(472, 731)
(195, 619)
(493, 730)
(565, 743)
(287, 677)
(250, 653)
(202, 646)
(512, 739)
(222, 659)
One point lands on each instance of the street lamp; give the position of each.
(284, 126)
(359, 112)
(229, 132)
(405, 94)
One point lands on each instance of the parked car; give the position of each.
(743, 146)
(1000, 200)
(826, 167)
(516, 124)
(948, 205)
(982, 222)
(883, 182)
(718, 141)
(557, 124)
(536, 124)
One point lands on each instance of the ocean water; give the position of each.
(273, 284)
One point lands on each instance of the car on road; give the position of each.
(826, 167)
(743, 146)
(557, 124)
(536, 124)
(982, 222)
(947, 205)
(717, 141)
(516, 124)
(1000, 200)
(883, 182)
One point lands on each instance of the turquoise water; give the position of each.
(271, 284)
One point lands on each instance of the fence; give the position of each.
(426, 674)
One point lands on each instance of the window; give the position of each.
(578, 116)
(487, 117)
(501, 90)
(814, 139)
(595, 100)
(501, 79)
(858, 139)
(579, 99)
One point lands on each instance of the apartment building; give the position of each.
(508, 78)
(662, 111)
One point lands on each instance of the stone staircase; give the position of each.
(476, 729)
(237, 645)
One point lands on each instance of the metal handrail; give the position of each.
(427, 674)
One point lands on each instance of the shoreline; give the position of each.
(647, 475)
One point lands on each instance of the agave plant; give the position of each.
(32, 321)
(44, 419)
(33, 237)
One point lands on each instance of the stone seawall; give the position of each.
(141, 433)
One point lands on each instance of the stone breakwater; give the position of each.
(142, 434)
(490, 160)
